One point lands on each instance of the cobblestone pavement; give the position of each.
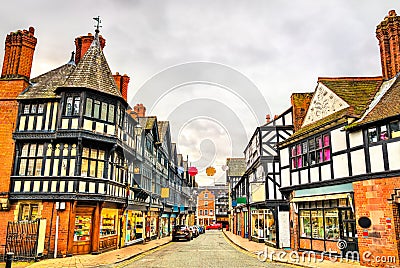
(211, 249)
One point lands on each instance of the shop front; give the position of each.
(83, 230)
(152, 224)
(325, 220)
(134, 227)
(108, 229)
(263, 226)
(164, 225)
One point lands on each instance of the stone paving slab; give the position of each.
(272, 254)
(89, 260)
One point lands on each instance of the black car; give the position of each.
(181, 232)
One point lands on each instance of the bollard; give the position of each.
(9, 259)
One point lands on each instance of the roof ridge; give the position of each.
(359, 78)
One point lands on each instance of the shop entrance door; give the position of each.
(348, 234)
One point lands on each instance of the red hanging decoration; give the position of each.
(193, 171)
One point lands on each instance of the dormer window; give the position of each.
(72, 106)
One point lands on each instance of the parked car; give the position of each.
(181, 232)
(195, 231)
(214, 226)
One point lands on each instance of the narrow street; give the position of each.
(208, 250)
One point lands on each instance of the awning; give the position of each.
(319, 197)
(173, 215)
(165, 215)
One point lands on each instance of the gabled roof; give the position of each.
(93, 72)
(44, 86)
(358, 92)
(387, 107)
(147, 122)
(163, 126)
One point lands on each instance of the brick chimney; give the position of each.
(122, 84)
(140, 110)
(388, 34)
(82, 44)
(300, 103)
(18, 54)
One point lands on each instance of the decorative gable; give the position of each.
(324, 102)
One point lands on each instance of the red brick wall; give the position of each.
(9, 89)
(65, 216)
(371, 198)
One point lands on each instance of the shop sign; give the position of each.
(244, 209)
(234, 203)
(241, 200)
(176, 209)
(164, 192)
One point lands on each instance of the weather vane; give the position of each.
(98, 23)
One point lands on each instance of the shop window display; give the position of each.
(331, 224)
(263, 225)
(82, 228)
(108, 222)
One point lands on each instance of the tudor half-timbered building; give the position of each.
(269, 211)
(341, 168)
(72, 150)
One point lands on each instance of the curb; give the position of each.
(140, 253)
(277, 261)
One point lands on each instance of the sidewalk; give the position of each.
(273, 253)
(88, 260)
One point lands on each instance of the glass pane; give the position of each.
(84, 167)
(331, 224)
(40, 108)
(33, 108)
(100, 169)
(319, 142)
(22, 167)
(298, 149)
(68, 109)
(104, 111)
(319, 156)
(327, 154)
(304, 147)
(383, 133)
(38, 168)
(25, 150)
(40, 150)
(26, 109)
(317, 224)
(93, 153)
(395, 129)
(305, 226)
(85, 152)
(92, 168)
(299, 162)
(311, 144)
(32, 150)
(101, 155)
(31, 163)
(89, 104)
(96, 113)
(77, 103)
(326, 140)
(34, 212)
(372, 135)
(111, 113)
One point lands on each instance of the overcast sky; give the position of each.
(212, 68)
